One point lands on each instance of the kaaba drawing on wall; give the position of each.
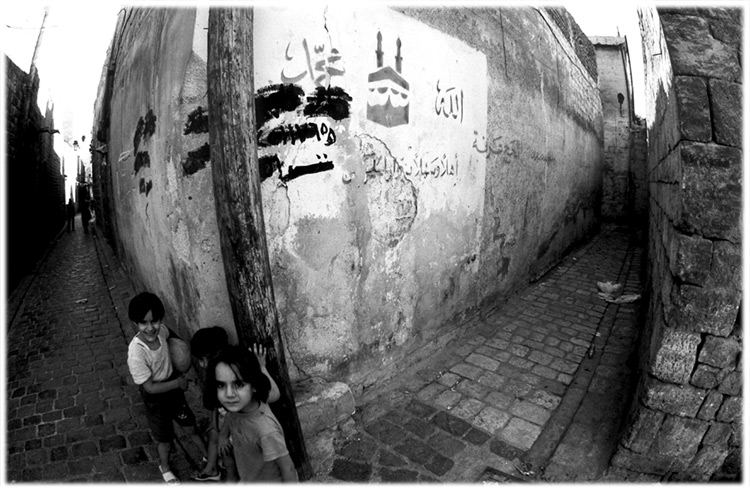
(388, 99)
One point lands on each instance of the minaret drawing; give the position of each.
(398, 55)
(388, 99)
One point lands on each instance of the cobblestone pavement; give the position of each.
(534, 391)
(516, 398)
(71, 413)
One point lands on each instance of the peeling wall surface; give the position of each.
(414, 164)
(164, 207)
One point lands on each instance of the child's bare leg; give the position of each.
(212, 453)
(196, 438)
(231, 468)
(162, 448)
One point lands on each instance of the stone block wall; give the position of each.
(583, 48)
(637, 202)
(35, 184)
(685, 423)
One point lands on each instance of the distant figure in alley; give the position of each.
(70, 210)
(85, 215)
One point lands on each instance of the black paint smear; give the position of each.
(144, 187)
(292, 133)
(138, 134)
(328, 101)
(142, 159)
(144, 129)
(274, 99)
(267, 165)
(150, 124)
(295, 172)
(197, 122)
(196, 160)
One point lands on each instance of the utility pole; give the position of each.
(38, 41)
(236, 183)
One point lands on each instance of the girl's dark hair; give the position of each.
(245, 366)
(207, 342)
(141, 304)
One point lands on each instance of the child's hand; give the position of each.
(183, 381)
(260, 353)
(224, 446)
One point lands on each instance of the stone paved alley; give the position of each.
(535, 390)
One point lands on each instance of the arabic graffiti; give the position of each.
(498, 147)
(540, 157)
(449, 102)
(328, 101)
(430, 164)
(321, 66)
(424, 165)
(297, 171)
(285, 103)
(296, 133)
(272, 100)
(510, 150)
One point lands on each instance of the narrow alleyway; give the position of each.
(535, 390)
(71, 414)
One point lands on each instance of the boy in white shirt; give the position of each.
(160, 385)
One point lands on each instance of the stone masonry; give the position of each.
(36, 186)
(535, 390)
(686, 423)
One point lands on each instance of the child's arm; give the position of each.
(260, 352)
(158, 387)
(286, 466)
(224, 445)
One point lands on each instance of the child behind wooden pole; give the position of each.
(235, 379)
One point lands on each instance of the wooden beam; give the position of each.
(236, 182)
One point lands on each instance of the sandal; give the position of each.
(202, 476)
(168, 477)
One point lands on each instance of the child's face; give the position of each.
(148, 328)
(233, 393)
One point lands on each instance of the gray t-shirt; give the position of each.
(257, 440)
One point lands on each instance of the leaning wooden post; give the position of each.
(236, 182)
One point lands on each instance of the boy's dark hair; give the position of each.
(144, 302)
(245, 367)
(207, 342)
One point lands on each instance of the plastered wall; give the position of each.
(414, 164)
(163, 206)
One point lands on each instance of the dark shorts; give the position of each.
(162, 409)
